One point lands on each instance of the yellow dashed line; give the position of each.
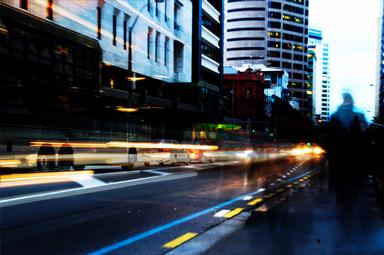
(233, 213)
(256, 201)
(182, 239)
(269, 195)
(289, 186)
(280, 190)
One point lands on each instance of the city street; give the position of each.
(145, 217)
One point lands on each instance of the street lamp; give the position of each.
(130, 31)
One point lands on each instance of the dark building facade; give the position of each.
(207, 54)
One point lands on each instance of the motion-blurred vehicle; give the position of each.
(198, 156)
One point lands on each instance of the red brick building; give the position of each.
(244, 95)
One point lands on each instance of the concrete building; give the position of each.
(320, 74)
(145, 50)
(274, 33)
(379, 102)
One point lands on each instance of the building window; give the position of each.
(166, 50)
(125, 33)
(273, 24)
(114, 30)
(149, 6)
(287, 46)
(274, 63)
(178, 57)
(98, 22)
(287, 65)
(287, 55)
(149, 42)
(274, 54)
(166, 10)
(157, 46)
(157, 8)
(177, 13)
(23, 4)
(273, 44)
(274, 5)
(248, 92)
(274, 15)
(274, 34)
(49, 9)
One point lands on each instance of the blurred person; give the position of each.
(347, 151)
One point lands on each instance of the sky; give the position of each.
(350, 28)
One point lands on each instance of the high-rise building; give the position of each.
(274, 33)
(379, 109)
(312, 74)
(320, 75)
(207, 49)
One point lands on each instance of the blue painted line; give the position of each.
(161, 228)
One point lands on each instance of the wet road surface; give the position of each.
(138, 219)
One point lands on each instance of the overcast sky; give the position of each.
(350, 27)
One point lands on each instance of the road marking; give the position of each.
(221, 213)
(87, 190)
(155, 172)
(119, 173)
(247, 198)
(182, 239)
(203, 242)
(109, 167)
(269, 195)
(280, 190)
(233, 213)
(256, 201)
(227, 163)
(289, 186)
(88, 181)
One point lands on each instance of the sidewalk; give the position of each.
(311, 222)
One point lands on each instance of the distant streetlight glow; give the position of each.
(135, 78)
(124, 109)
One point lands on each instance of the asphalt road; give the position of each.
(142, 218)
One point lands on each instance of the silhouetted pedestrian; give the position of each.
(347, 149)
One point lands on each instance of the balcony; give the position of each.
(211, 11)
(210, 37)
(210, 64)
